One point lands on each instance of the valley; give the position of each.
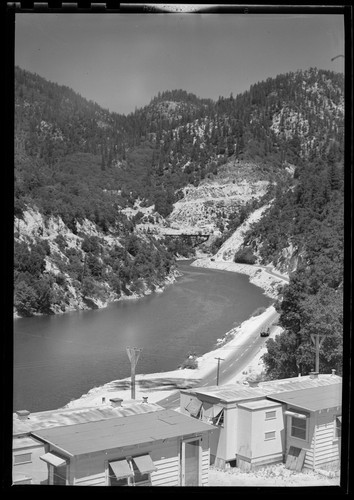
(106, 204)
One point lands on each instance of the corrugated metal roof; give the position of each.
(118, 432)
(312, 399)
(263, 403)
(232, 393)
(295, 383)
(229, 393)
(72, 416)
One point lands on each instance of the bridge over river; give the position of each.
(196, 238)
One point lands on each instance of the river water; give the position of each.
(59, 358)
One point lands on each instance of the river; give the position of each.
(58, 358)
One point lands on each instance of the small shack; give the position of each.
(313, 421)
(27, 466)
(160, 448)
(261, 425)
(250, 426)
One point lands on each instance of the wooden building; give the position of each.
(313, 421)
(250, 426)
(261, 425)
(159, 448)
(27, 467)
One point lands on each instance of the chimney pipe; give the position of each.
(313, 375)
(23, 414)
(145, 399)
(116, 402)
(103, 400)
(333, 371)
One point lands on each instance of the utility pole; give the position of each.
(218, 369)
(317, 340)
(133, 355)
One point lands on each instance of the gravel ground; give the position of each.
(276, 475)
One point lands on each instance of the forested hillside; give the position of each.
(305, 228)
(84, 176)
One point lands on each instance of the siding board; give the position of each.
(161, 472)
(329, 452)
(324, 439)
(167, 483)
(166, 466)
(324, 450)
(91, 480)
(167, 475)
(326, 460)
(326, 447)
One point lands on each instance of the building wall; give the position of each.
(244, 435)
(321, 446)
(218, 440)
(260, 439)
(229, 435)
(327, 446)
(90, 469)
(267, 450)
(36, 469)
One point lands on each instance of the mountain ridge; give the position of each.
(178, 161)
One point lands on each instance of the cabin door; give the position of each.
(191, 462)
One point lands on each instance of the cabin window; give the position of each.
(22, 458)
(139, 478)
(113, 481)
(338, 427)
(219, 419)
(194, 408)
(119, 473)
(132, 471)
(270, 415)
(269, 435)
(298, 427)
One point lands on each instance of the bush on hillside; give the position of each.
(245, 256)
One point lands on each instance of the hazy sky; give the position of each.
(121, 61)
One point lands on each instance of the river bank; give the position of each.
(94, 303)
(264, 277)
(157, 386)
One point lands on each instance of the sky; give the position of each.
(121, 61)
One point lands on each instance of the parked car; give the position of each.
(265, 333)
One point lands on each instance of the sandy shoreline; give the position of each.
(259, 275)
(157, 386)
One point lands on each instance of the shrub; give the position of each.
(190, 363)
(245, 256)
(61, 242)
